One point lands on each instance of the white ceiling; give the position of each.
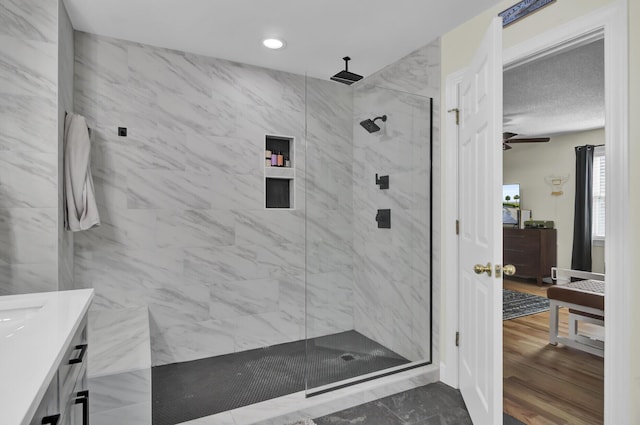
(553, 95)
(557, 94)
(374, 33)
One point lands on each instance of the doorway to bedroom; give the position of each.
(553, 105)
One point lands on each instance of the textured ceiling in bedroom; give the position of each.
(557, 94)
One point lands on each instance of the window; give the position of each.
(598, 219)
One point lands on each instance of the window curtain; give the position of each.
(582, 219)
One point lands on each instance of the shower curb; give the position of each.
(293, 408)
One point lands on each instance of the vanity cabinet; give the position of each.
(43, 357)
(532, 251)
(66, 401)
(48, 407)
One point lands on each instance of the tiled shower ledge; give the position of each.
(295, 407)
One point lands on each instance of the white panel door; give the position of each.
(480, 193)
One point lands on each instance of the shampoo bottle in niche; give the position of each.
(280, 160)
(274, 159)
(287, 161)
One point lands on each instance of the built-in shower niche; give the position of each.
(279, 193)
(279, 172)
(279, 146)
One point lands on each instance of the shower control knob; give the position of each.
(382, 181)
(383, 217)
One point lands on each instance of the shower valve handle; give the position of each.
(382, 181)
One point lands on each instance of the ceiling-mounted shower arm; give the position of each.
(346, 60)
(346, 77)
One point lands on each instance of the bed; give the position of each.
(583, 294)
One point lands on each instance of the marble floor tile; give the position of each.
(456, 416)
(433, 404)
(423, 402)
(510, 420)
(370, 414)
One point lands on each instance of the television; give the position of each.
(510, 204)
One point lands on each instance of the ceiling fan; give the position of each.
(508, 138)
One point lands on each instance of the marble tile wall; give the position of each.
(119, 371)
(121, 399)
(28, 146)
(66, 60)
(184, 229)
(120, 341)
(391, 266)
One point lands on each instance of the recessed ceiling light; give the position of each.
(273, 43)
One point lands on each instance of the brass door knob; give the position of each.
(479, 269)
(509, 269)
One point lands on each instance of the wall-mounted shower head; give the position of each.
(370, 124)
(346, 77)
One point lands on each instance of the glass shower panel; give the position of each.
(368, 280)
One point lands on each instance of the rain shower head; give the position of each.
(346, 77)
(371, 126)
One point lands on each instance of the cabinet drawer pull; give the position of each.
(83, 398)
(80, 358)
(51, 420)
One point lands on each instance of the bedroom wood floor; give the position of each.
(545, 384)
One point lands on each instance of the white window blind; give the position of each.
(598, 218)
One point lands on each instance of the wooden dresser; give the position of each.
(532, 251)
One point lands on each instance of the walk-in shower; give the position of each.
(229, 297)
(346, 296)
(368, 283)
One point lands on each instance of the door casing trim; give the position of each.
(611, 23)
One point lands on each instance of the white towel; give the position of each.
(81, 211)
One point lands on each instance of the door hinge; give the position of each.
(457, 339)
(457, 111)
(457, 227)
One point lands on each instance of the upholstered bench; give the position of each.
(585, 300)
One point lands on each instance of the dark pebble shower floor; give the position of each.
(190, 390)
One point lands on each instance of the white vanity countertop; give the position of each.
(35, 330)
